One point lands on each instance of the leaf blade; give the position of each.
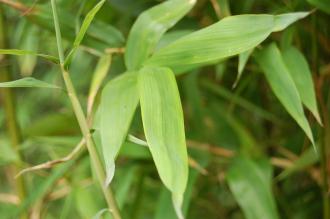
(271, 62)
(149, 27)
(162, 118)
(118, 104)
(301, 75)
(19, 52)
(223, 39)
(27, 82)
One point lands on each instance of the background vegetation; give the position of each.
(248, 157)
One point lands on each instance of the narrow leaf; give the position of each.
(283, 86)
(18, 52)
(118, 104)
(220, 40)
(28, 82)
(242, 60)
(163, 124)
(149, 27)
(250, 183)
(301, 75)
(83, 29)
(282, 21)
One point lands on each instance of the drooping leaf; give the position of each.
(118, 104)
(220, 40)
(83, 29)
(149, 27)
(301, 75)
(163, 124)
(28, 82)
(283, 86)
(250, 183)
(323, 5)
(19, 52)
(242, 60)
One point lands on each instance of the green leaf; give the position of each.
(28, 82)
(302, 77)
(282, 84)
(242, 60)
(149, 27)
(118, 104)
(18, 52)
(220, 40)
(323, 5)
(163, 124)
(282, 21)
(83, 29)
(250, 183)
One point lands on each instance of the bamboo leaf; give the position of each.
(28, 82)
(19, 52)
(282, 21)
(83, 29)
(301, 75)
(283, 86)
(163, 124)
(250, 183)
(118, 104)
(149, 27)
(220, 40)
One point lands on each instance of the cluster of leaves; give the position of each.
(234, 137)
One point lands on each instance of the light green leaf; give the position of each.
(118, 104)
(220, 40)
(282, 21)
(324, 5)
(302, 77)
(149, 27)
(283, 86)
(250, 183)
(242, 60)
(28, 82)
(163, 124)
(87, 21)
(19, 52)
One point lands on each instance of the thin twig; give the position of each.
(52, 163)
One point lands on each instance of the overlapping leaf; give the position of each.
(149, 27)
(118, 104)
(250, 182)
(301, 75)
(162, 118)
(223, 39)
(283, 86)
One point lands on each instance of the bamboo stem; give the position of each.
(82, 121)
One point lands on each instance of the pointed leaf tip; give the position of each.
(110, 172)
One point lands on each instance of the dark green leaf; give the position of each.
(250, 182)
